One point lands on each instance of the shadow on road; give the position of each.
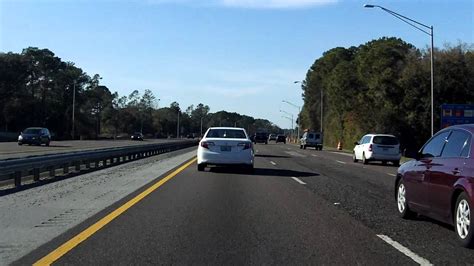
(262, 172)
(271, 156)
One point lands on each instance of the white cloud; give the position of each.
(275, 3)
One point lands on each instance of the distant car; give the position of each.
(377, 147)
(312, 139)
(281, 138)
(272, 137)
(260, 137)
(137, 136)
(35, 135)
(439, 182)
(225, 146)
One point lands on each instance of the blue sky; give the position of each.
(235, 55)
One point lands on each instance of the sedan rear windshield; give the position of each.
(226, 133)
(385, 140)
(32, 131)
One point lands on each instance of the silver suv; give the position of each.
(312, 139)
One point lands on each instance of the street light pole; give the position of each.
(177, 128)
(201, 125)
(412, 23)
(73, 107)
(299, 111)
(292, 128)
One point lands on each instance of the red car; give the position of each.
(439, 182)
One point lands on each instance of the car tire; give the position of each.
(462, 214)
(364, 160)
(301, 146)
(201, 167)
(19, 143)
(384, 162)
(304, 147)
(402, 204)
(47, 143)
(266, 142)
(396, 163)
(354, 158)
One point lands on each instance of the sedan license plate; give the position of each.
(225, 148)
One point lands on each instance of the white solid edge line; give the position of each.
(314, 155)
(405, 250)
(341, 162)
(272, 162)
(391, 174)
(298, 180)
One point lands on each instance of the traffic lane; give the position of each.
(10, 150)
(227, 216)
(346, 158)
(355, 191)
(374, 174)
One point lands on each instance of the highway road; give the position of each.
(10, 150)
(298, 207)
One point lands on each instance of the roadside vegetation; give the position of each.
(37, 87)
(383, 86)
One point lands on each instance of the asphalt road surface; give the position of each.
(10, 150)
(298, 207)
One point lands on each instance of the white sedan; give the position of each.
(225, 146)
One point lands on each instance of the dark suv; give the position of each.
(260, 137)
(34, 135)
(439, 182)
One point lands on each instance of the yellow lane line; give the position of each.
(82, 236)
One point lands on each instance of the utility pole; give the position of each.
(73, 107)
(177, 129)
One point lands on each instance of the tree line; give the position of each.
(383, 86)
(37, 88)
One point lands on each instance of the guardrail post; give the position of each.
(65, 168)
(17, 179)
(36, 174)
(52, 171)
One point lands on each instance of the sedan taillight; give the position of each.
(245, 145)
(370, 147)
(206, 144)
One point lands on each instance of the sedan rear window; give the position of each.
(32, 131)
(226, 133)
(385, 140)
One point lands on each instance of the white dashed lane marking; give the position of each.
(391, 174)
(272, 162)
(405, 251)
(341, 162)
(298, 180)
(342, 153)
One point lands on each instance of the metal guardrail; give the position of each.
(16, 169)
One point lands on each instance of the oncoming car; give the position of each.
(225, 146)
(35, 136)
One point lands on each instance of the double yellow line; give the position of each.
(82, 236)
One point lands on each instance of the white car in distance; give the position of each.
(225, 146)
(377, 147)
